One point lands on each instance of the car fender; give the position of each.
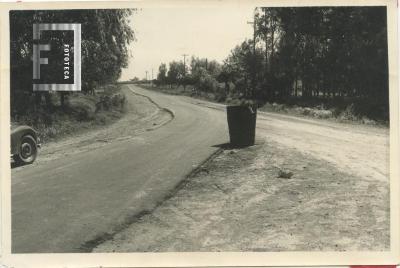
(17, 134)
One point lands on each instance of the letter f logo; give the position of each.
(37, 60)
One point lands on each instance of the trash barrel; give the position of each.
(242, 125)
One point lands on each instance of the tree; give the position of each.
(336, 51)
(175, 73)
(241, 66)
(106, 35)
(162, 74)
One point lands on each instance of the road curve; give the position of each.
(60, 205)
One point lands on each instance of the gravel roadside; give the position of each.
(266, 197)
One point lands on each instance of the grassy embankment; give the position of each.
(333, 109)
(80, 113)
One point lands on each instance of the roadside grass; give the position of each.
(341, 113)
(80, 113)
(190, 91)
(344, 111)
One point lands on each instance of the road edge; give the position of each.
(90, 245)
(156, 104)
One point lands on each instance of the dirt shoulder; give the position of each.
(267, 197)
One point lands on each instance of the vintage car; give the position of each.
(24, 144)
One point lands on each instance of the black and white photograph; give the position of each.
(209, 129)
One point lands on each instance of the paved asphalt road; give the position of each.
(61, 205)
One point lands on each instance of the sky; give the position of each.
(165, 34)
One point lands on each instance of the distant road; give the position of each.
(59, 205)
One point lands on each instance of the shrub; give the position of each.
(322, 113)
(348, 113)
(80, 112)
(207, 83)
(82, 107)
(220, 96)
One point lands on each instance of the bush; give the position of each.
(348, 114)
(220, 96)
(108, 102)
(82, 107)
(323, 114)
(278, 107)
(207, 83)
(80, 112)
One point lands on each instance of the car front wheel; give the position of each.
(27, 151)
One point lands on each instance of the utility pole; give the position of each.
(184, 63)
(254, 58)
(152, 79)
(146, 75)
(184, 71)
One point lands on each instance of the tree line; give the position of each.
(106, 35)
(301, 54)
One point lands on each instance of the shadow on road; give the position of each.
(15, 164)
(229, 146)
